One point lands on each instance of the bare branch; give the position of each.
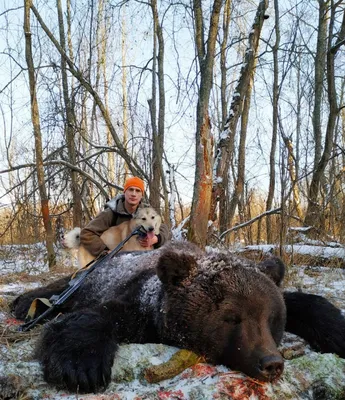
(133, 165)
(66, 164)
(240, 226)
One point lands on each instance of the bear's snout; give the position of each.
(271, 367)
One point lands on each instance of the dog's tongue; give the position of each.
(150, 234)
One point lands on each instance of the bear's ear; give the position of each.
(274, 268)
(173, 267)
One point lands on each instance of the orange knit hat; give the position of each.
(136, 182)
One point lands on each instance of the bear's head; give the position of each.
(224, 309)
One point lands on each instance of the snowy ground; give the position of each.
(307, 375)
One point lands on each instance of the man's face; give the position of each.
(133, 195)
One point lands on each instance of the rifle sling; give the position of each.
(34, 305)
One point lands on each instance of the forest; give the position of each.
(231, 111)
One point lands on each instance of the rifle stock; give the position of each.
(75, 283)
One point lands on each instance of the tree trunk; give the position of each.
(69, 125)
(154, 182)
(271, 188)
(102, 56)
(158, 177)
(313, 211)
(38, 138)
(223, 52)
(237, 195)
(124, 86)
(225, 146)
(293, 177)
(320, 60)
(197, 232)
(224, 201)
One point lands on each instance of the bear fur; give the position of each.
(215, 304)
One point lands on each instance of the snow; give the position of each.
(329, 251)
(224, 134)
(180, 232)
(31, 259)
(300, 228)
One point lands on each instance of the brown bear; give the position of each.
(222, 307)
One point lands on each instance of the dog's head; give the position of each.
(149, 219)
(72, 239)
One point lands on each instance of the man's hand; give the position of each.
(148, 241)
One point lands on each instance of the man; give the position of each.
(118, 210)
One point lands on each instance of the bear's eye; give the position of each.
(152, 217)
(232, 319)
(144, 219)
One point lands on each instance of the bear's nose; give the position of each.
(150, 228)
(271, 367)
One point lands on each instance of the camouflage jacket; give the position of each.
(114, 213)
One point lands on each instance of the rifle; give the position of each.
(75, 282)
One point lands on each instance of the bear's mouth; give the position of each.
(265, 368)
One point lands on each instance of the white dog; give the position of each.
(146, 217)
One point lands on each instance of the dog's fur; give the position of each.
(147, 217)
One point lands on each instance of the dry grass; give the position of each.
(313, 261)
(9, 334)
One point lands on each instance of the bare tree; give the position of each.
(83, 80)
(313, 211)
(35, 117)
(124, 85)
(69, 123)
(320, 62)
(225, 146)
(197, 232)
(103, 26)
(271, 188)
(223, 66)
(158, 177)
